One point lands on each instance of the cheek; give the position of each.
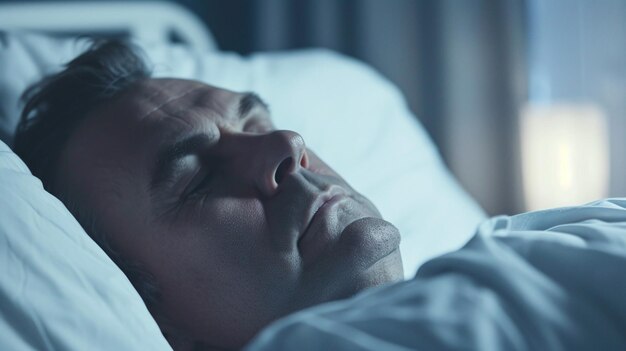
(220, 267)
(236, 224)
(220, 231)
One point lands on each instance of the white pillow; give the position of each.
(352, 117)
(24, 59)
(59, 290)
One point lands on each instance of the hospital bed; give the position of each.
(60, 291)
(166, 21)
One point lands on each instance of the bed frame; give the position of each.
(149, 21)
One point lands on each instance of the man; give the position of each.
(224, 225)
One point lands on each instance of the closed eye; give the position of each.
(200, 183)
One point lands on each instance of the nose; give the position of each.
(272, 157)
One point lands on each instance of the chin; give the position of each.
(386, 270)
(347, 273)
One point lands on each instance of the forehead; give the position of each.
(154, 111)
(150, 103)
(158, 109)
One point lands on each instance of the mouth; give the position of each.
(321, 205)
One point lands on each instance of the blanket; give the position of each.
(546, 280)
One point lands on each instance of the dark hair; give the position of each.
(56, 105)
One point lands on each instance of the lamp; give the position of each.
(565, 157)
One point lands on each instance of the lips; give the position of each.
(319, 208)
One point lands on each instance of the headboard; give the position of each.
(148, 21)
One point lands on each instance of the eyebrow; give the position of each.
(168, 155)
(248, 102)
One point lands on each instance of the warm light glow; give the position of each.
(565, 156)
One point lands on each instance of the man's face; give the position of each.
(239, 223)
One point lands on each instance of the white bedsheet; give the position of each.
(548, 280)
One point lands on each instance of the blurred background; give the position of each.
(526, 99)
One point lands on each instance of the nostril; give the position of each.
(282, 170)
(304, 161)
